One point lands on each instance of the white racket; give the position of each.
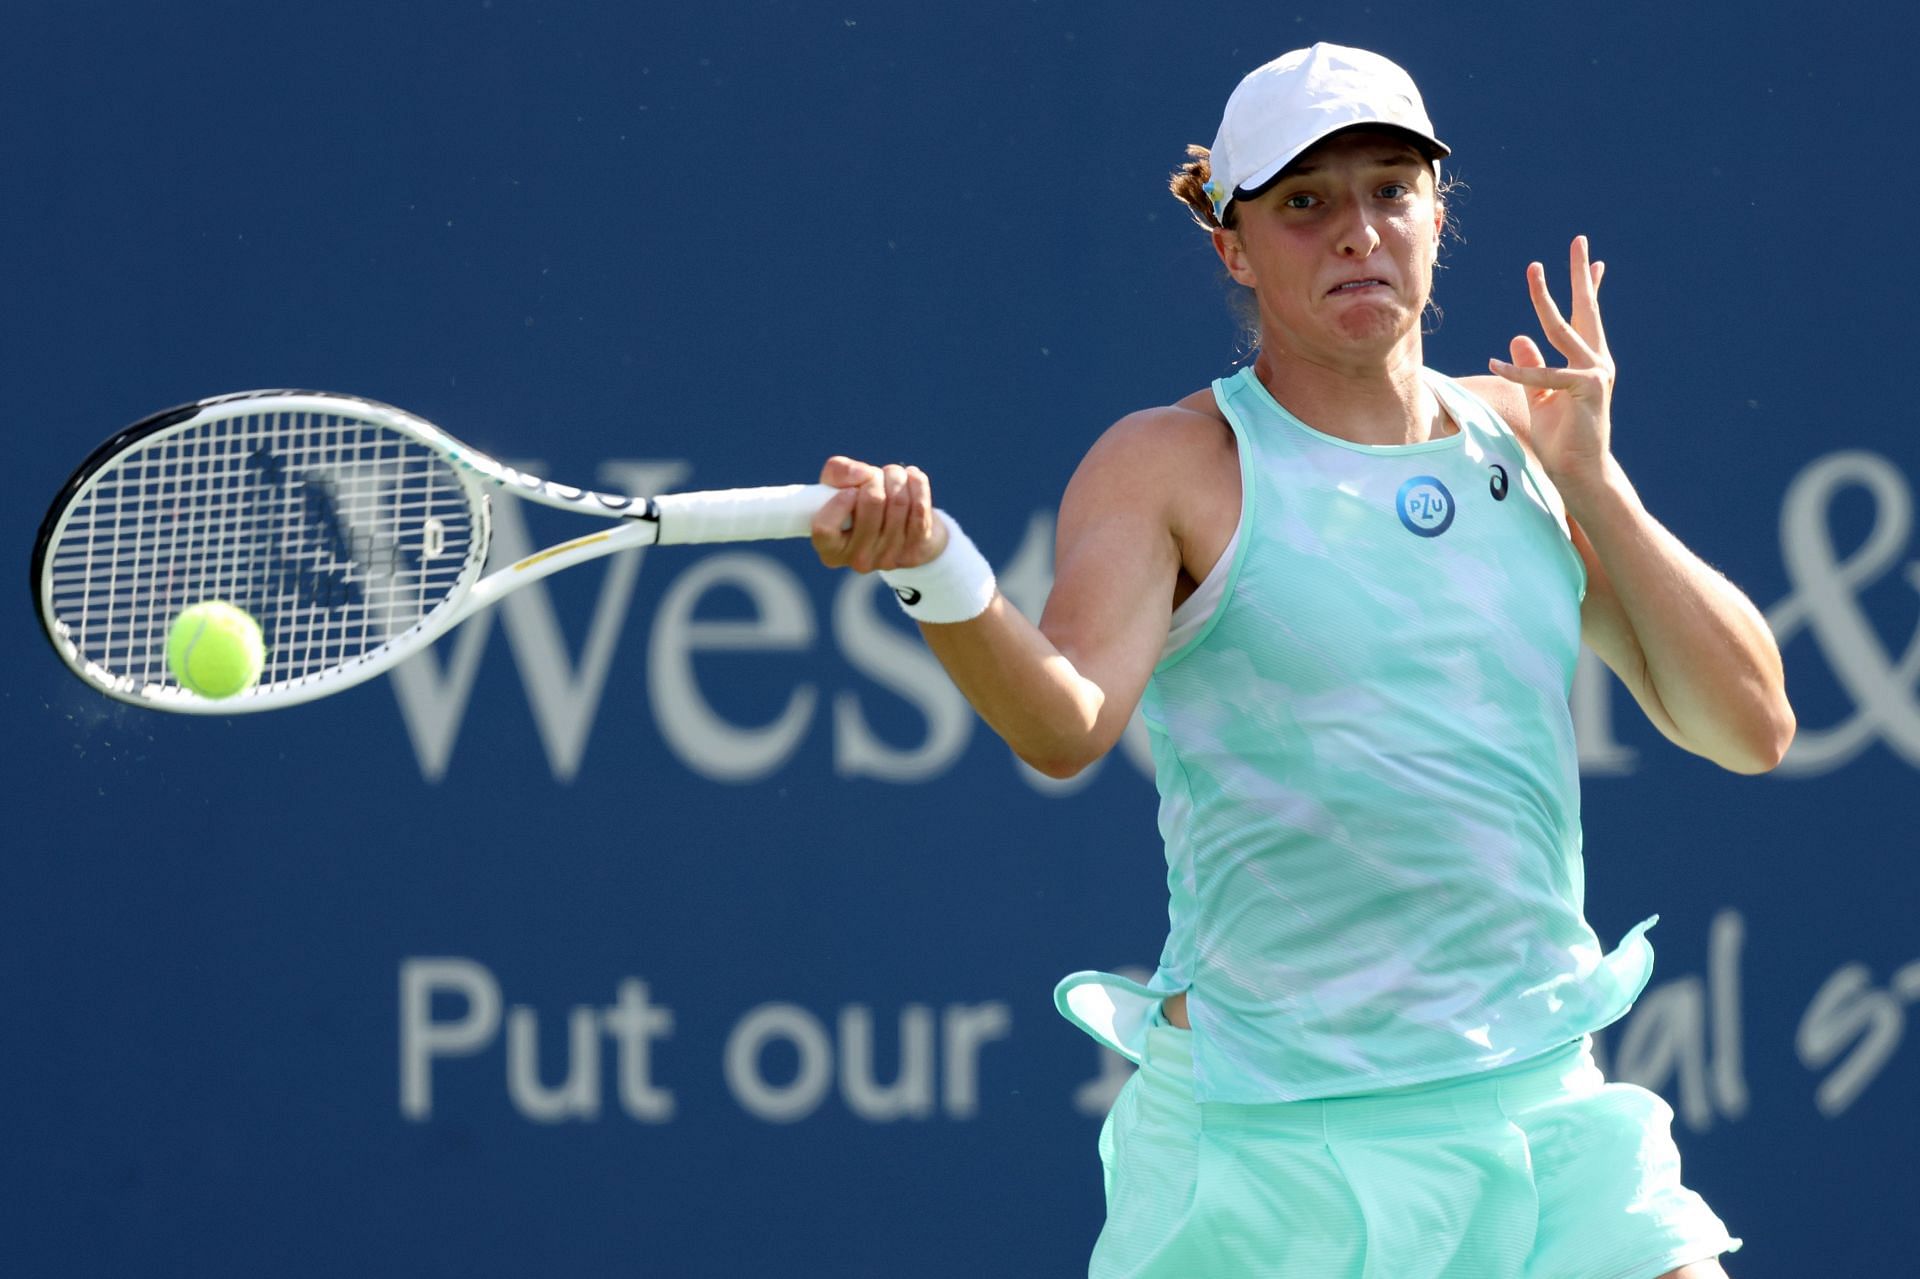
(352, 531)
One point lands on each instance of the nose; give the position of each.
(1357, 236)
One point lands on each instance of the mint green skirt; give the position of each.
(1537, 1171)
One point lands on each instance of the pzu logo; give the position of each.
(1426, 507)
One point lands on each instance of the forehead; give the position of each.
(1363, 146)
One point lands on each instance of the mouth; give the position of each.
(1356, 286)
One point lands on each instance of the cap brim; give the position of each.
(1433, 148)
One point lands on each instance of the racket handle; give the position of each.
(740, 515)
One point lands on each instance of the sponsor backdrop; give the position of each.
(677, 918)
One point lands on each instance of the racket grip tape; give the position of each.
(740, 515)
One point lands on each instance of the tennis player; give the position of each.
(1348, 594)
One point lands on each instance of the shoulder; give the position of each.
(1506, 399)
(1174, 468)
(1193, 422)
(1162, 443)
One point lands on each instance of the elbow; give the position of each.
(1067, 757)
(1060, 766)
(1766, 746)
(1780, 739)
(1069, 742)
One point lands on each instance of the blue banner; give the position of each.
(677, 917)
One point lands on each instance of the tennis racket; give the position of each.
(353, 532)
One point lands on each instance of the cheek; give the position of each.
(1265, 255)
(1420, 236)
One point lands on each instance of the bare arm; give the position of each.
(1694, 651)
(1061, 692)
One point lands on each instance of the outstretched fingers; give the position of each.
(1581, 339)
(1529, 368)
(1526, 352)
(1543, 379)
(1585, 275)
(1565, 338)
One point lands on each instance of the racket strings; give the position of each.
(335, 534)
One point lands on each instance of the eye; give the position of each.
(1298, 200)
(1395, 190)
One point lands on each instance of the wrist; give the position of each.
(1599, 493)
(954, 586)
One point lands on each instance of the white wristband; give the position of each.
(954, 586)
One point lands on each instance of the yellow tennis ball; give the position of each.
(215, 649)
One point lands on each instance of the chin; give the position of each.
(1383, 325)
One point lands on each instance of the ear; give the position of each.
(1233, 256)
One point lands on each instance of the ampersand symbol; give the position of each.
(1826, 601)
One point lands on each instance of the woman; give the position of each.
(1348, 594)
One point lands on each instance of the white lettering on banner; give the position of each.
(1847, 1009)
(965, 1029)
(705, 740)
(779, 1103)
(898, 660)
(422, 1038)
(955, 1035)
(565, 695)
(1684, 1038)
(1689, 1037)
(910, 1096)
(579, 1096)
(632, 1023)
(1886, 695)
(969, 1028)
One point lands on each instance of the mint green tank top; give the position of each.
(1368, 787)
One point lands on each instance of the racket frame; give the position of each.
(724, 515)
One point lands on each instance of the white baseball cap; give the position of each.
(1283, 108)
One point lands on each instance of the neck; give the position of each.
(1376, 402)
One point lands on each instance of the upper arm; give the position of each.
(1126, 524)
(1608, 631)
